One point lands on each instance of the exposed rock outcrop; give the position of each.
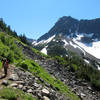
(29, 83)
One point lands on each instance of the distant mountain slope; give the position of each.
(68, 25)
(80, 36)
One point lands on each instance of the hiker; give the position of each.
(5, 66)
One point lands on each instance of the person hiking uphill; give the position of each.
(5, 66)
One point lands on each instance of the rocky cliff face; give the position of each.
(68, 25)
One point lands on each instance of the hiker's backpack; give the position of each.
(6, 64)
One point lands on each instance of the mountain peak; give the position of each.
(67, 25)
(66, 18)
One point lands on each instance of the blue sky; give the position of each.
(36, 17)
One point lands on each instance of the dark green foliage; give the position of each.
(89, 73)
(2, 25)
(83, 70)
(6, 29)
(10, 56)
(39, 47)
(56, 50)
(61, 60)
(23, 39)
(8, 48)
(74, 67)
(23, 65)
(8, 94)
(2, 37)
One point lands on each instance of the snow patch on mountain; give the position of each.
(79, 37)
(98, 67)
(93, 50)
(66, 43)
(34, 42)
(76, 46)
(49, 40)
(44, 50)
(86, 61)
(73, 44)
(44, 41)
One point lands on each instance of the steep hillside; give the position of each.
(20, 55)
(70, 71)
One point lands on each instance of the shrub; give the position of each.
(61, 60)
(8, 48)
(2, 37)
(74, 67)
(24, 66)
(8, 94)
(13, 94)
(57, 51)
(10, 57)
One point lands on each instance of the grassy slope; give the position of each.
(41, 72)
(13, 94)
(9, 49)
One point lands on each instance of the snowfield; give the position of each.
(44, 50)
(45, 41)
(93, 50)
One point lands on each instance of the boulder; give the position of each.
(13, 77)
(36, 85)
(14, 85)
(82, 95)
(29, 91)
(45, 98)
(24, 88)
(45, 92)
(20, 86)
(20, 82)
(89, 88)
(36, 79)
(5, 82)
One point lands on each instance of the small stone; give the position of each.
(41, 80)
(39, 95)
(13, 77)
(29, 91)
(24, 88)
(20, 82)
(14, 85)
(36, 78)
(89, 88)
(45, 92)
(45, 98)
(20, 86)
(82, 95)
(36, 85)
(5, 82)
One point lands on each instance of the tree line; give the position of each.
(7, 29)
